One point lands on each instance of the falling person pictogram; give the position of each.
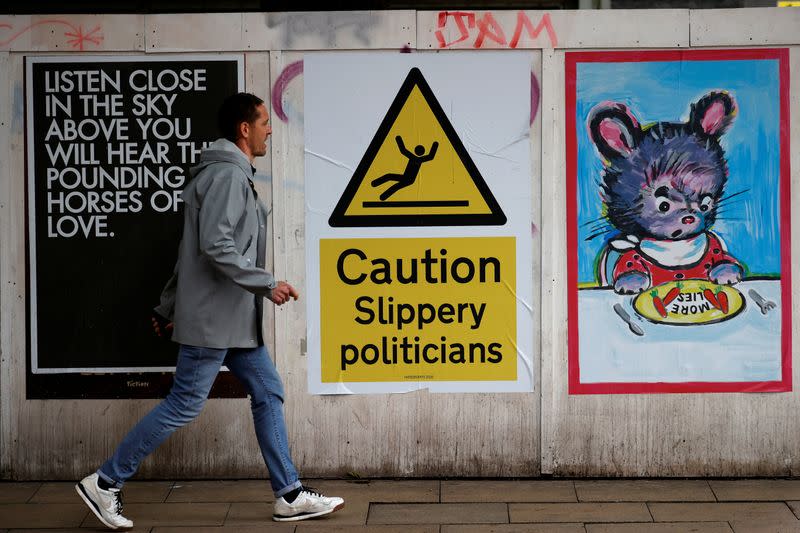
(409, 175)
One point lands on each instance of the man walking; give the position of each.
(215, 301)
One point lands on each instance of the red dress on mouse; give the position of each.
(664, 261)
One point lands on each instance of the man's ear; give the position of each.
(243, 130)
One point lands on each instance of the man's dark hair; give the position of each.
(237, 108)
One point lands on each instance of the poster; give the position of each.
(418, 221)
(109, 144)
(678, 221)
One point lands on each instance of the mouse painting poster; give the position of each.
(418, 222)
(678, 221)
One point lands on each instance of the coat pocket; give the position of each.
(247, 246)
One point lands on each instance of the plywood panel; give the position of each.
(630, 28)
(744, 27)
(71, 33)
(413, 434)
(353, 30)
(257, 82)
(648, 435)
(194, 31)
(6, 89)
(12, 270)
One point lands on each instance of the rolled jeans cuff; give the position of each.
(113, 483)
(288, 489)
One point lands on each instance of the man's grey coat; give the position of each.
(215, 297)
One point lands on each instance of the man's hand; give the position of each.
(161, 326)
(282, 292)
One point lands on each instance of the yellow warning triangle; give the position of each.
(416, 171)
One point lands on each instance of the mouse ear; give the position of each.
(614, 130)
(712, 115)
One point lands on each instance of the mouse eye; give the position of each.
(705, 203)
(663, 207)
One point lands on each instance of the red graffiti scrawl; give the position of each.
(76, 37)
(487, 28)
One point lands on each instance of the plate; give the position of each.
(690, 302)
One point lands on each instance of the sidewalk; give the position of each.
(427, 506)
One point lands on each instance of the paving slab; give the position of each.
(221, 491)
(765, 526)
(438, 513)
(644, 527)
(134, 492)
(17, 492)
(51, 515)
(319, 527)
(99, 528)
(170, 514)
(578, 512)
(756, 489)
(271, 527)
(724, 512)
(380, 490)
(795, 507)
(508, 491)
(515, 528)
(641, 490)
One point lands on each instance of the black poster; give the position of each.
(109, 144)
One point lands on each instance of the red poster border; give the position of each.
(571, 59)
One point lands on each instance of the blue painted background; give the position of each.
(663, 91)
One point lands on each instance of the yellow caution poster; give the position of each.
(418, 309)
(418, 222)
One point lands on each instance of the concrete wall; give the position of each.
(416, 434)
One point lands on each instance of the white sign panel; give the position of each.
(418, 222)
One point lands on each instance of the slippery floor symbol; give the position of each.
(442, 187)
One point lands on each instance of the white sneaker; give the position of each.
(105, 504)
(308, 504)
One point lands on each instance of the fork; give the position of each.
(763, 304)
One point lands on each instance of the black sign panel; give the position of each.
(109, 144)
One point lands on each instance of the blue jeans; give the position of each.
(195, 373)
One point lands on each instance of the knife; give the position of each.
(624, 316)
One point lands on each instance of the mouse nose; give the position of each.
(689, 219)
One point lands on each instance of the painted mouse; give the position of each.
(661, 187)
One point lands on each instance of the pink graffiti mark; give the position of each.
(289, 73)
(535, 95)
(487, 27)
(76, 37)
(295, 69)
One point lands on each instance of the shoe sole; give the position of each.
(85, 497)
(297, 518)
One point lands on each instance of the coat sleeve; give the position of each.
(224, 203)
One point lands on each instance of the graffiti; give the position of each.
(535, 95)
(76, 37)
(291, 71)
(486, 27)
(325, 26)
